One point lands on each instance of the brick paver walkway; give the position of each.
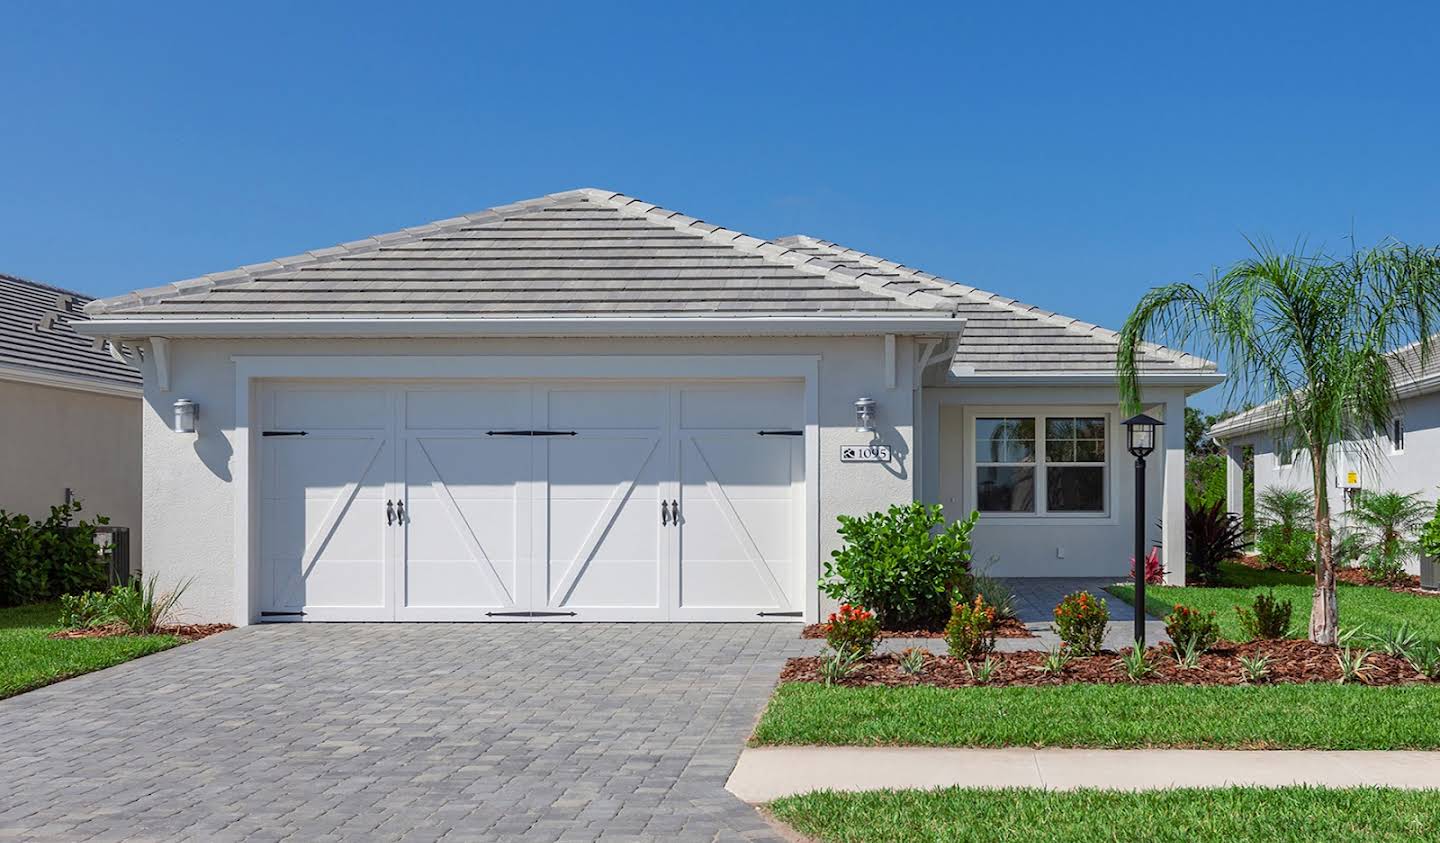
(328, 732)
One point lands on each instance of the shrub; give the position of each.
(82, 611)
(1136, 666)
(912, 660)
(1293, 552)
(1267, 618)
(997, 594)
(852, 629)
(1255, 669)
(898, 565)
(982, 673)
(1192, 629)
(41, 560)
(1429, 538)
(971, 630)
(142, 607)
(1388, 524)
(1080, 621)
(1384, 568)
(1286, 538)
(839, 666)
(1212, 535)
(1154, 571)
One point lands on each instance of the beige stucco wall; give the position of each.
(190, 502)
(53, 438)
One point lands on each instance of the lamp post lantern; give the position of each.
(1140, 434)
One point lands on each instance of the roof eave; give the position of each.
(665, 326)
(60, 380)
(1194, 381)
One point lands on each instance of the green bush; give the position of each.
(81, 611)
(41, 560)
(1267, 618)
(142, 607)
(971, 630)
(1080, 621)
(900, 566)
(1429, 538)
(852, 629)
(1289, 551)
(1191, 629)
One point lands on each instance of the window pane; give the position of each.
(1075, 439)
(1060, 451)
(1005, 489)
(1090, 450)
(1075, 489)
(1004, 440)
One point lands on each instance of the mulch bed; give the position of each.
(1004, 628)
(185, 631)
(1291, 662)
(1406, 584)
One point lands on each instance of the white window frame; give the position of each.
(1397, 435)
(1282, 448)
(1040, 414)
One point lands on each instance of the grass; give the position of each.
(1372, 609)
(29, 659)
(952, 815)
(1309, 716)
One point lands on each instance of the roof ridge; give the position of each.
(976, 294)
(769, 249)
(5, 276)
(251, 272)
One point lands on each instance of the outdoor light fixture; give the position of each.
(185, 413)
(1140, 441)
(865, 415)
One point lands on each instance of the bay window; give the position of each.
(1041, 464)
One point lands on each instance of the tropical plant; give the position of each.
(85, 610)
(142, 607)
(1187, 654)
(1154, 571)
(1267, 618)
(1354, 664)
(1212, 535)
(1192, 629)
(905, 564)
(1286, 535)
(852, 628)
(1054, 661)
(1429, 538)
(982, 673)
(1136, 666)
(970, 632)
(1312, 335)
(996, 593)
(1397, 641)
(1388, 526)
(1080, 621)
(41, 559)
(1425, 658)
(1255, 669)
(839, 666)
(912, 660)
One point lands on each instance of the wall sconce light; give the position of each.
(865, 415)
(185, 413)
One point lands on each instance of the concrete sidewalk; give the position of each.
(768, 773)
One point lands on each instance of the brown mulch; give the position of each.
(185, 631)
(1290, 662)
(1406, 584)
(1004, 628)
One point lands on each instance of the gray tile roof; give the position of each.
(36, 335)
(582, 253)
(1002, 335)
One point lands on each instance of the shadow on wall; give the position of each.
(208, 441)
(899, 450)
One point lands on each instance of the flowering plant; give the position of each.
(1154, 571)
(1080, 621)
(971, 630)
(852, 629)
(1192, 629)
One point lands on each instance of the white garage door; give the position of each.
(516, 501)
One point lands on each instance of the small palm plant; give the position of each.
(1287, 529)
(1388, 526)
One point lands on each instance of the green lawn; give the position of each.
(1371, 609)
(28, 659)
(1313, 716)
(1234, 814)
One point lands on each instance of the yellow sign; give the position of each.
(1352, 477)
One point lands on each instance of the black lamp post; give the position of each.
(1140, 432)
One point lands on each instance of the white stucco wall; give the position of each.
(53, 438)
(1415, 471)
(190, 502)
(1048, 545)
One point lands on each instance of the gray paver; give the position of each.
(400, 732)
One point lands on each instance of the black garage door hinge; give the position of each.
(529, 614)
(780, 433)
(529, 433)
(281, 614)
(779, 614)
(285, 433)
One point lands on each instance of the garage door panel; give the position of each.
(615, 584)
(319, 408)
(747, 406)
(726, 584)
(605, 407)
(340, 583)
(457, 583)
(319, 467)
(476, 407)
(590, 467)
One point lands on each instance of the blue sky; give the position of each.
(1068, 155)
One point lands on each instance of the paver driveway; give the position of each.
(408, 732)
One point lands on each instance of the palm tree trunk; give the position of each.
(1324, 613)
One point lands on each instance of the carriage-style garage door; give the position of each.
(520, 500)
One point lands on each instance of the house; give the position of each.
(1402, 458)
(69, 412)
(586, 406)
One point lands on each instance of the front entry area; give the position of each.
(522, 500)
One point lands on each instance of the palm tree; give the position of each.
(1389, 523)
(1310, 334)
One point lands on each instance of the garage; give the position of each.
(522, 500)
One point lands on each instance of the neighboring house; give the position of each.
(1403, 458)
(585, 406)
(69, 412)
